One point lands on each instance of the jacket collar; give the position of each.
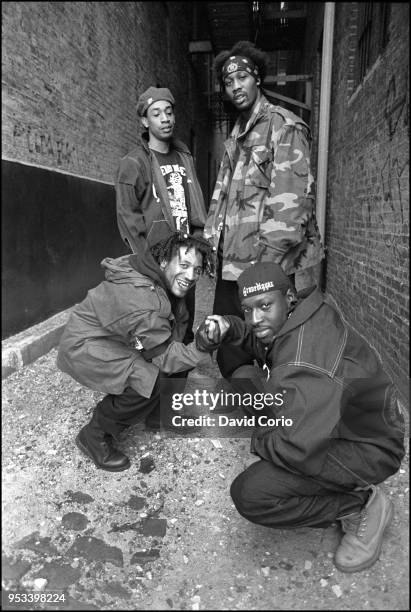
(258, 111)
(177, 145)
(305, 308)
(148, 267)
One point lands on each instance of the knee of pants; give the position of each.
(245, 494)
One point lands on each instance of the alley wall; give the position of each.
(72, 73)
(367, 217)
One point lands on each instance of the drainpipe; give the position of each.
(324, 118)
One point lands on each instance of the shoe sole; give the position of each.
(374, 558)
(85, 450)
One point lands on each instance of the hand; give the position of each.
(216, 327)
(210, 333)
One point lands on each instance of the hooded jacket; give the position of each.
(142, 199)
(263, 202)
(126, 330)
(346, 422)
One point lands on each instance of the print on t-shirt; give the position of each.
(176, 180)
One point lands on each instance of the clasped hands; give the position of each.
(211, 332)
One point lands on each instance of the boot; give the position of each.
(96, 444)
(361, 545)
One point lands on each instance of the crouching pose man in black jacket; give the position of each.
(344, 432)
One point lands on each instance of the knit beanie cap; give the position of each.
(153, 94)
(260, 278)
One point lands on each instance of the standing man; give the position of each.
(127, 334)
(336, 432)
(156, 183)
(262, 207)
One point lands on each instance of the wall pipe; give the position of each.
(324, 118)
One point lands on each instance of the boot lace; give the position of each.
(356, 524)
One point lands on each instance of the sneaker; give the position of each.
(361, 545)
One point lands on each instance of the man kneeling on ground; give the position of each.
(127, 334)
(347, 431)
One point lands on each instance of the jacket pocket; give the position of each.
(259, 167)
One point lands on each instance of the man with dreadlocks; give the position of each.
(127, 334)
(262, 208)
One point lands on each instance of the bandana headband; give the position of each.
(239, 62)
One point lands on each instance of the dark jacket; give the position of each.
(142, 200)
(126, 330)
(346, 418)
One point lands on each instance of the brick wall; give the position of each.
(72, 72)
(367, 226)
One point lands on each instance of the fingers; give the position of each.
(218, 324)
(210, 327)
(213, 331)
(213, 317)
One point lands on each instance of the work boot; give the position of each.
(361, 545)
(98, 445)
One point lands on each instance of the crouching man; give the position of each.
(127, 334)
(345, 431)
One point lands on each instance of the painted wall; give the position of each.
(72, 74)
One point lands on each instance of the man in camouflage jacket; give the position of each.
(262, 208)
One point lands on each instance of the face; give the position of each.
(267, 313)
(242, 89)
(160, 120)
(183, 271)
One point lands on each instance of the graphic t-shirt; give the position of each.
(175, 176)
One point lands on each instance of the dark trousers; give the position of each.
(226, 301)
(272, 496)
(269, 495)
(115, 413)
(191, 306)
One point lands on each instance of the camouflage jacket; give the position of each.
(265, 205)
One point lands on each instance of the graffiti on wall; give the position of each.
(388, 211)
(40, 142)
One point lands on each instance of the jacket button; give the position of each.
(152, 288)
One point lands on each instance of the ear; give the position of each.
(291, 298)
(144, 122)
(163, 264)
(258, 81)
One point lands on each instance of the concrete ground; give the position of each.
(164, 534)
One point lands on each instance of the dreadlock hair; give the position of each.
(166, 249)
(242, 47)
